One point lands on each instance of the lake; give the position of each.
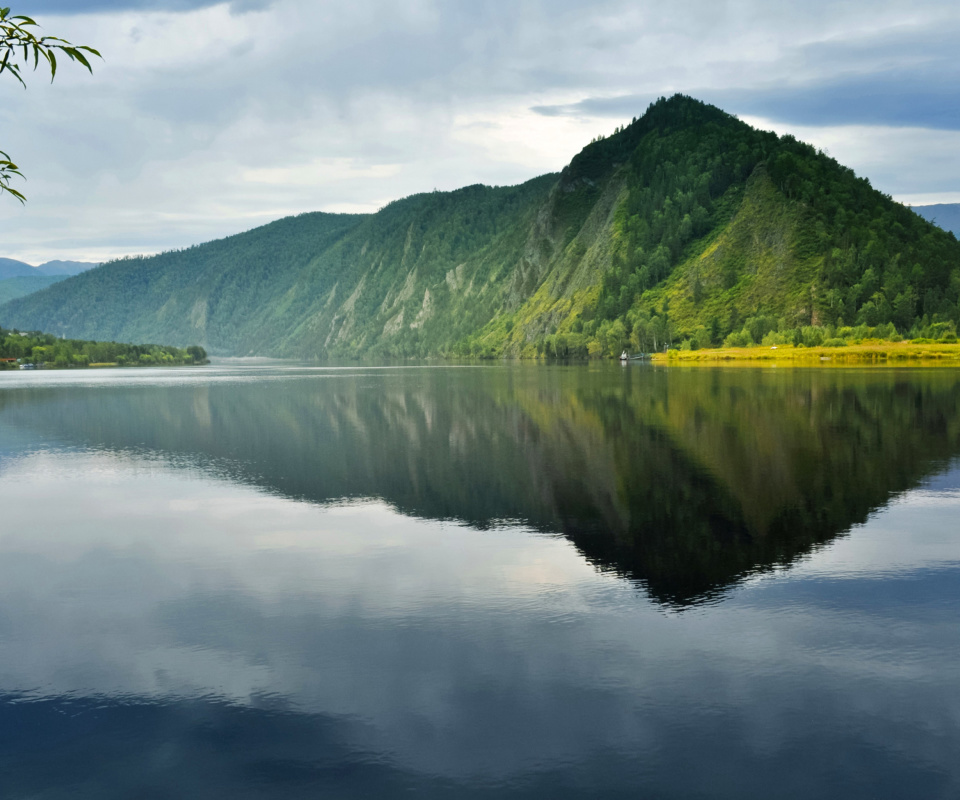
(272, 580)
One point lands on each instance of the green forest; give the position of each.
(686, 228)
(20, 286)
(41, 350)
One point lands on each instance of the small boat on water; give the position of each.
(624, 358)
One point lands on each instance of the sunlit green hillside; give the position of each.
(686, 226)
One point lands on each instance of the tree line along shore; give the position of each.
(32, 349)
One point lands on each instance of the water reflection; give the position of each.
(374, 584)
(685, 481)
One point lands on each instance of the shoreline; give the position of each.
(864, 354)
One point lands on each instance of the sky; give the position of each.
(205, 118)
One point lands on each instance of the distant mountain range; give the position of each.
(12, 288)
(18, 279)
(685, 227)
(10, 268)
(946, 215)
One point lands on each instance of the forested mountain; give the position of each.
(686, 226)
(946, 215)
(12, 288)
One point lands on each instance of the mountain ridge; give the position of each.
(12, 268)
(685, 226)
(944, 215)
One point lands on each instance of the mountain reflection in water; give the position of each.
(292, 582)
(685, 481)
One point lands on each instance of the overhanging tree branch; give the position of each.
(7, 170)
(19, 44)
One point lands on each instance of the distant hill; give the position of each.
(19, 279)
(12, 288)
(686, 226)
(67, 267)
(11, 268)
(946, 215)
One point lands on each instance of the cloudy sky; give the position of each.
(208, 118)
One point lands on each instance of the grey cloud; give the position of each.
(902, 77)
(625, 105)
(906, 76)
(243, 6)
(892, 98)
(69, 7)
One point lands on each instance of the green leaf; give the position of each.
(82, 59)
(14, 192)
(15, 69)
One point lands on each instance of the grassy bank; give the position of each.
(878, 352)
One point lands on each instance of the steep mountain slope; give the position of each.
(422, 273)
(685, 225)
(946, 215)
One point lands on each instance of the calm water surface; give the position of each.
(279, 581)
